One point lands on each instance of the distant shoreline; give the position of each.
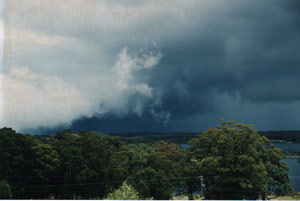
(292, 156)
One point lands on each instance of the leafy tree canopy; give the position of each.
(238, 163)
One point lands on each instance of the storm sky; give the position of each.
(160, 66)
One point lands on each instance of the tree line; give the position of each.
(231, 161)
(184, 137)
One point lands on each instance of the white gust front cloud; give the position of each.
(33, 100)
(64, 60)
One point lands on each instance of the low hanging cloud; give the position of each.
(237, 60)
(33, 100)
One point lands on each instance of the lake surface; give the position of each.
(294, 172)
(293, 147)
(293, 163)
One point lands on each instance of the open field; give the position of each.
(290, 196)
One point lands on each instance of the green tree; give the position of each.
(25, 161)
(85, 157)
(152, 183)
(45, 161)
(5, 192)
(124, 192)
(191, 173)
(156, 171)
(238, 163)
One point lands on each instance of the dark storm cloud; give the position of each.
(247, 55)
(253, 50)
(234, 59)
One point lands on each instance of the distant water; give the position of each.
(293, 163)
(294, 172)
(293, 147)
(185, 145)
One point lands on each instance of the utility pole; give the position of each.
(201, 183)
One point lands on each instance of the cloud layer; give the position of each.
(34, 100)
(153, 65)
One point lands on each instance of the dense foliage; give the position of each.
(88, 165)
(5, 192)
(182, 138)
(239, 164)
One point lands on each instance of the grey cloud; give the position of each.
(239, 60)
(33, 100)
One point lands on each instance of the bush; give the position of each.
(5, 192)
(124, 192)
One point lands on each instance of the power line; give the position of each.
(96, 183)
(116, 182)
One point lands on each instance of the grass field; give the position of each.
(290, 196)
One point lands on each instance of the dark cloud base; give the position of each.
(112, 124)
(248, 52)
